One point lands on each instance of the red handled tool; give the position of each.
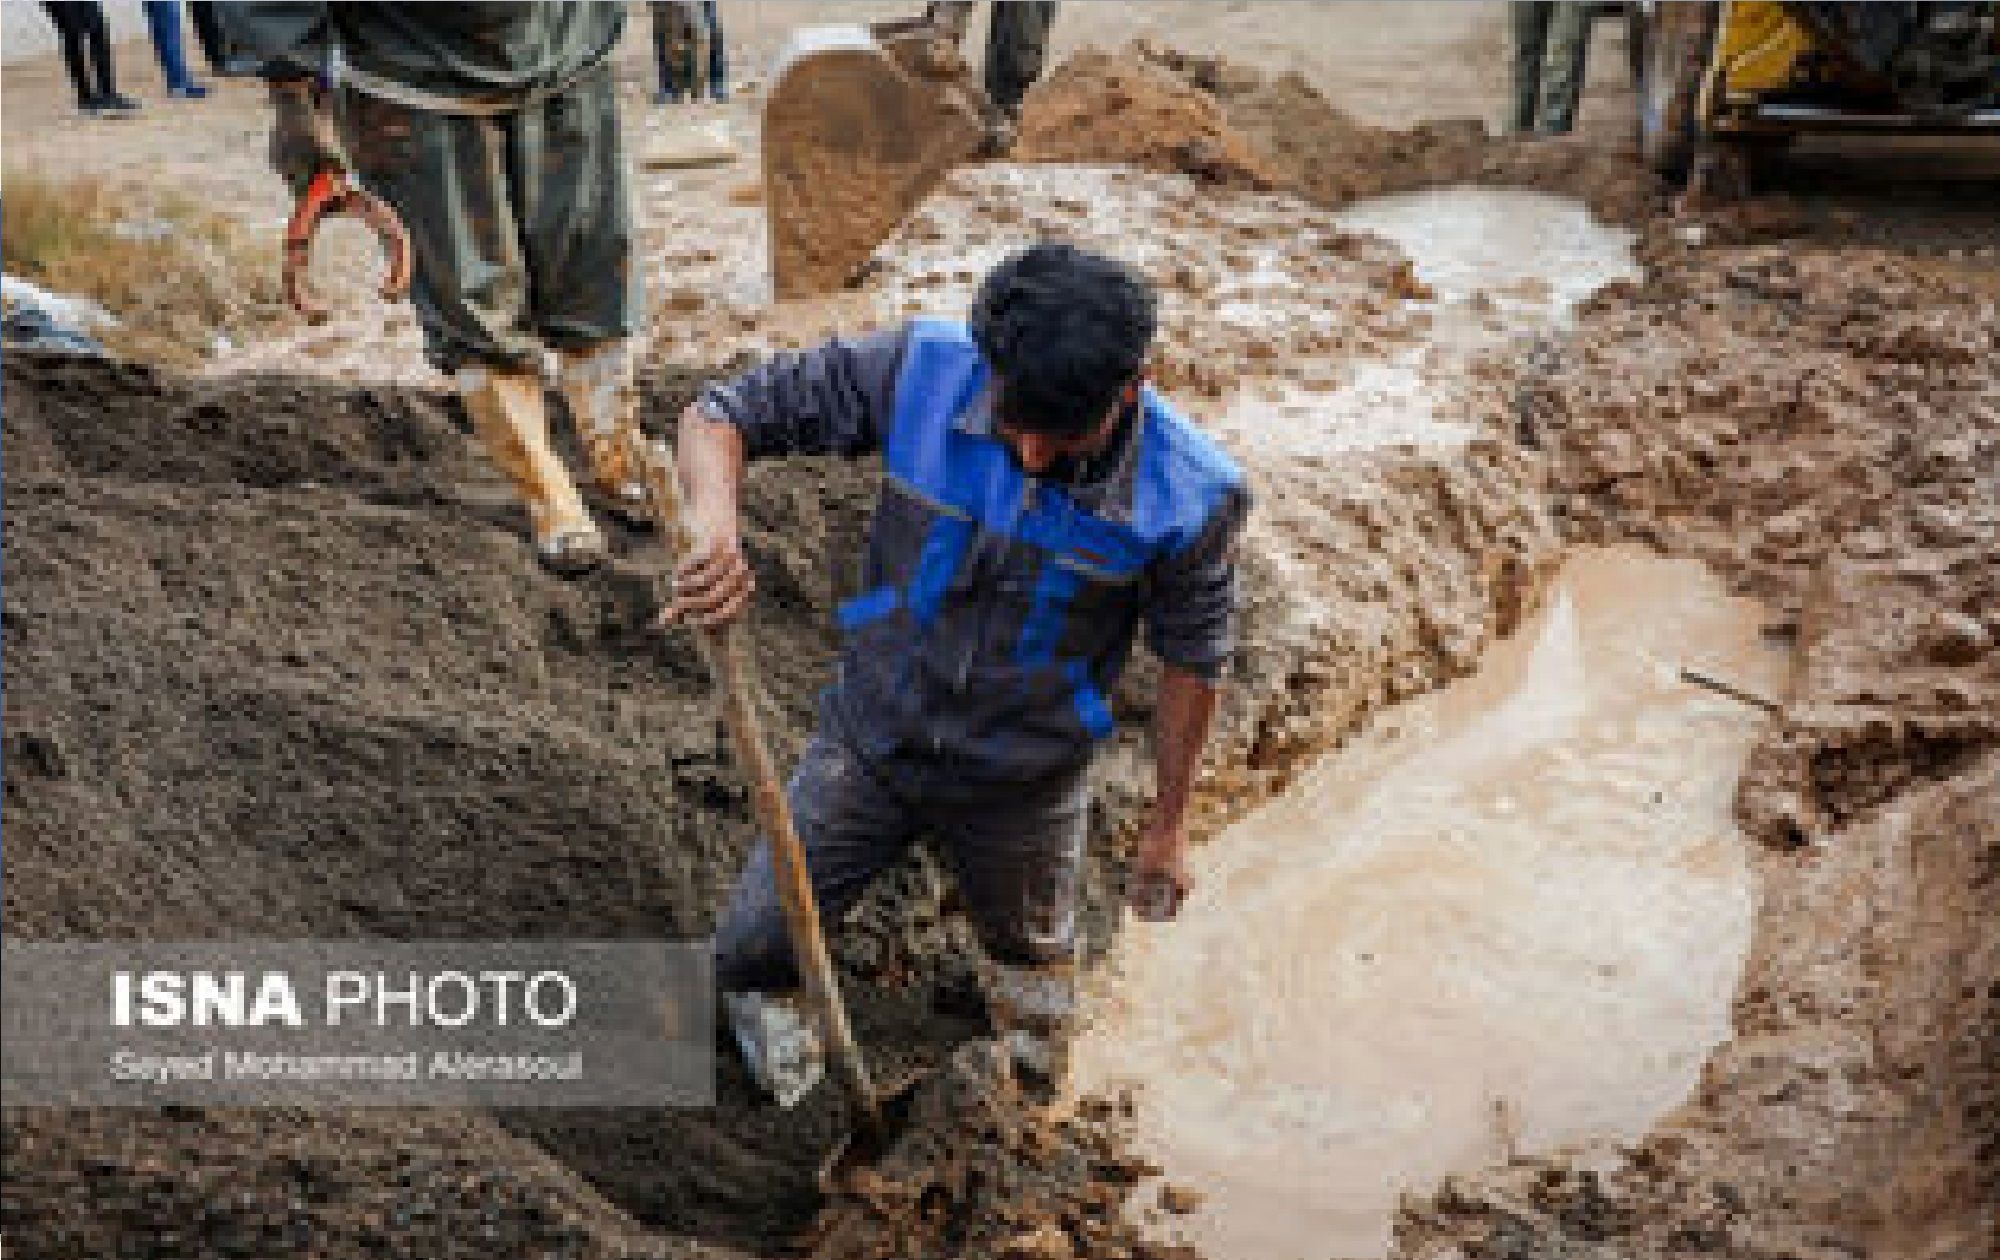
(330, 193)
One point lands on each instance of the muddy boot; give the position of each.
(1000, 128)
(1033, 1010)
(597, 385)
(511, 419)
(778, 1041)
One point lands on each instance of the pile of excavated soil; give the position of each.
(1234, 126)
(280, 663)
(1824, 429)
(1128, 111)
(978, 1172)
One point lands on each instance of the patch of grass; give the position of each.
(174, 273)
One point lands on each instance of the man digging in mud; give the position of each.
(1040, 503)
(493, 130)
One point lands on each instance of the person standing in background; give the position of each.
(86, 49)
(492, 128)
(163, 23)
(718, 54)
(207, 32)
(1550, 43)
(1017, 41)
(687, 46)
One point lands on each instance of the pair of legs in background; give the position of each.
(1551, 41)
(86, 50)
(520, 228)
(1017, 43)
(92, 68)
(688, 48)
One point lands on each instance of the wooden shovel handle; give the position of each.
(726, 655)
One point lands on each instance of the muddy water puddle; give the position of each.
(1507, 918)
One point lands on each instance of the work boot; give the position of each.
(1002, 129)
(1032, 1010)
(779, 1043)
(510, 417)
(597, 384)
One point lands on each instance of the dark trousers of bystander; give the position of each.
(86, 49)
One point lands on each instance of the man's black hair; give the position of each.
(1064, 330)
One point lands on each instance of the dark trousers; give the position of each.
(86, 47)
(718, 56)
(1016, 854)
(1017, 43)
(207, 32)
(680, 31)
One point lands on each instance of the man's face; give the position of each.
(1057, 455)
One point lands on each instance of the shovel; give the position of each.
(872, 1114)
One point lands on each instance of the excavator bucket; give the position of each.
(860, 124)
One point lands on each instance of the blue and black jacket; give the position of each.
(997, 609)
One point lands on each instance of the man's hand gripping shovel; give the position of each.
(328, 192)
(874, 1115)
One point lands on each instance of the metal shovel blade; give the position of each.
(854, 138)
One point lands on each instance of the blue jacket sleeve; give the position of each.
(1191, 605)
(833, 400)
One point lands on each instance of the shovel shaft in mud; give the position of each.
(727, 656)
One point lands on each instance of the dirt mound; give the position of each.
(1824, 428)
(979, 1174)
(1122, 110)
(280, 662)
(1230, 125)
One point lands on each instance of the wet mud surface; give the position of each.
(1540, 859)
(1821, 424)
(278, 661)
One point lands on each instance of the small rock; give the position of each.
(1180, 1200)
(1404, 283)
(1956, 639)
(1047, 1242)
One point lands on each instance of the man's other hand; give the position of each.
(1159, 875)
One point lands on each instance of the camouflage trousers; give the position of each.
(519, 222)
(1550, 43)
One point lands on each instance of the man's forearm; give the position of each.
(710, 456)
(1182, 714)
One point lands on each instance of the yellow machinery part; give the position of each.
(1758, 46)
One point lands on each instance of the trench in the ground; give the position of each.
(1500, 263)
(1507, 918)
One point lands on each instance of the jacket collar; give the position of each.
(976, 419)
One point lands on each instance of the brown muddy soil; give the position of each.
(279, 662)
(1823, 427)
(1235, 126)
